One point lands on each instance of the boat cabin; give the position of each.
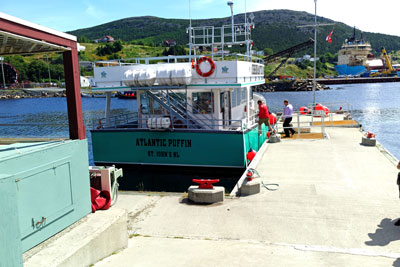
(183, 103)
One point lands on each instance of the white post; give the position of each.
(108, 107)
(248, 105)
(48, 68)
(190, 32)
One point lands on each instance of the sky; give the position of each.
(367, 15)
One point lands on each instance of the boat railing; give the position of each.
(175, 59)
(115, 121)
(132, 121)
(304, 123)
(344, 108)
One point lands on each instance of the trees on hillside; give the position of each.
(109, 48)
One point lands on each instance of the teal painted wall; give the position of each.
(181, 148)
(10, 242)
(51, 181)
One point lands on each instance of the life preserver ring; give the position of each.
(212, 65)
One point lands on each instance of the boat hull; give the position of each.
(350, 70)
(226, 149)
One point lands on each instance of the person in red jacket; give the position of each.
(263, 116)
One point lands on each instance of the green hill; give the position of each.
(275, 29)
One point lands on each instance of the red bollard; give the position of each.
(250, 175)
(206, 183)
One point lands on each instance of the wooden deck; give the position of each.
(337, 123)
(303, 136)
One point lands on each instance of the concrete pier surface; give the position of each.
(335, 206)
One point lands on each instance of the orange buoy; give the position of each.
(272, 118)
(319, 107)
(303, 110)
(326, 110)
(251, 154)
(268, 134)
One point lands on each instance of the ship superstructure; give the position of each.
(353, 56)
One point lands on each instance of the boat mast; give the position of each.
(230, 4)
(190, 31)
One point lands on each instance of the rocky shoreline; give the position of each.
(18, 94)
(295, 85)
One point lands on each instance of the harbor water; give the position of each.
(375, 106)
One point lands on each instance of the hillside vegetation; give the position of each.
(275, 31)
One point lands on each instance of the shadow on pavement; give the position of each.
(386, 233)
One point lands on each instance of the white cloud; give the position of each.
(202, 4)
(94, 12)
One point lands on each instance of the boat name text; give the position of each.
(160, 142)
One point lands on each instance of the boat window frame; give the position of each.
(211, 105)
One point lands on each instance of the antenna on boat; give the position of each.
(245, 25)
(190, 30)
(230, 4)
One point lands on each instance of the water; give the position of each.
(375, 106)
(47, 117)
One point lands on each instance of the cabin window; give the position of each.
(236, 97)
(243, 95)
(203, 102)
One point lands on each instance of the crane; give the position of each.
(390, 71)
(387, 59)
(287, 53)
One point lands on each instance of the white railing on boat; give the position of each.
(132, 121)
(174, 59)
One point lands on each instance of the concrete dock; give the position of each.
(335, 206)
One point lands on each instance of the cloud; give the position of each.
(94, 12)
(202, 4)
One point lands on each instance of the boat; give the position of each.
(196, 110)
(354, 56)
(126, 95)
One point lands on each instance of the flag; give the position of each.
(329, 37)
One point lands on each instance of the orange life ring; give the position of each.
(210, 72)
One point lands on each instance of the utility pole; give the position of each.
(315, 53)
(2, 71)
(315, 26)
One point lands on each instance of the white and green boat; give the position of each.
(193, 110)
